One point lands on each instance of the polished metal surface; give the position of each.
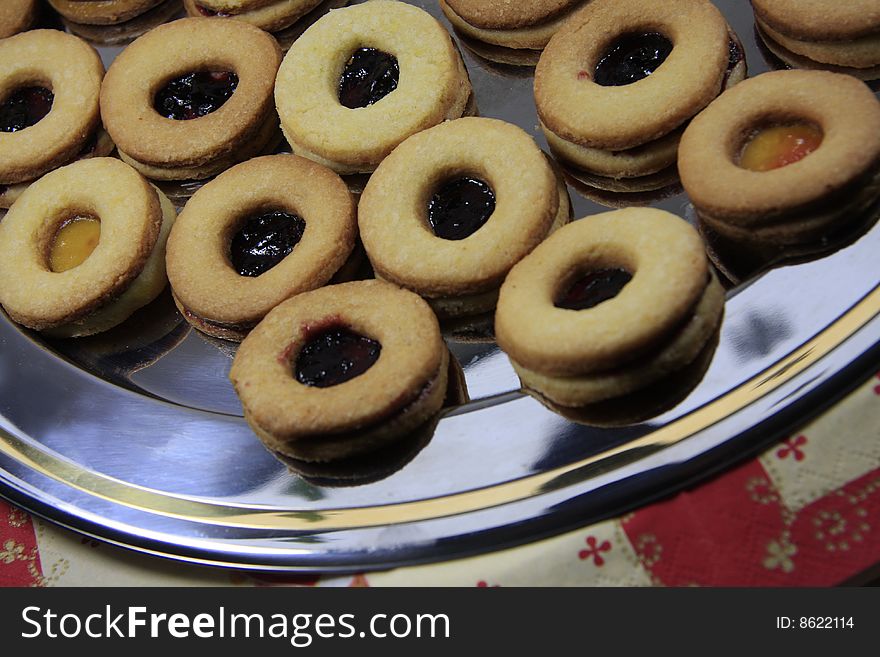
(136, 436)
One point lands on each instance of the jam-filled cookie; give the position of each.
(453, 208)
(102, 12)
(616, 86)
(341, 371)
(193, 97)
(260, 233)
(506, 32)
(609, 305)
(49, 88)
(840, 36)
(364, 78)
(17, 16)
(128, 30)
(83, 248)
(269, 15)
(785, 158)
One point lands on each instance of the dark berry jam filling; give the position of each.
(593, 288)
(368, 77)
(194, 95)
(264, 240)
(631, 58)
(460, 208)
(335, 356)
(25, 107)
(734, 54)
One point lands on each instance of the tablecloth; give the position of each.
(804, 513)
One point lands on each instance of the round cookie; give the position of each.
(808, 193)
(342, 371)
(842, 37)
(613, 95)
(49, 85)
(102, 12)
(127, 31)
(102, 287)
(192, 97)
(608, 305)
(17, 16)
(258, 234)
(363, 79)
(271, 16)
(453, 208)
(510, 33)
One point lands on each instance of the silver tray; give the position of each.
(135, 437)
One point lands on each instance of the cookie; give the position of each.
(49, 85)
(84, 247)
(102, 12)
(98, 145)
(258, 234)
(608, 305)
(271, 15)
(363, 79)
(509, 33)
(17, 16)
(128, 30)
(453, 208)
(785, 158)
(839, 34)
(192, 98)
(342, 371)
(614, 96)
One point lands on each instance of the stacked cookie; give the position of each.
(506, 32)
(49, 116)
(105, 22)
(269, 15)
(193, 97)
(613, 96)
(609, 305)
(840, 36)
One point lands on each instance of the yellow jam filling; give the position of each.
(779, 146)
(74, 243)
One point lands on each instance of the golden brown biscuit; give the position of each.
(839, 36)
(102, 12)
(607, 305)
(192, 97)
(270, 16)
(49, 86)
(613, 95)
(342, 370)
(101, 287)
(127, 31)
(258, 234)
(805, 194)
(17, 16)
(512, 33)
(453, 208)
(363, 79)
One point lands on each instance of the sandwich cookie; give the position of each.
(614, 96)
(112, 34)
(49, 115)
(609, 305)
(363, 79)
(191, 98)
(342, 371)
(269, 15)
(843, 37)
(17, 16)
(453, 208)
(789, 157)
(102, 12)
(509, 33)
(84, 248)
(256, 235)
